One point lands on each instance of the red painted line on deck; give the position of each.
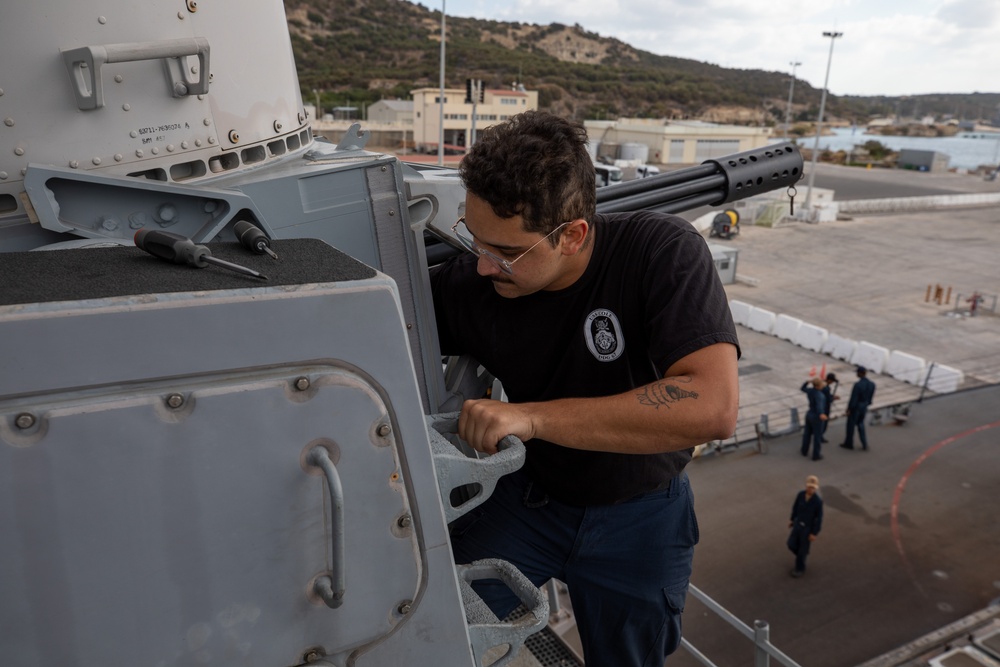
(897, 496)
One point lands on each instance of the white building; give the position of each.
(392, 112)
(672, 142)
(498, 105)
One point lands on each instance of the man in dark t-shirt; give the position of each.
(613, 340)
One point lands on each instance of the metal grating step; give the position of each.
(549, 650)
(546, 647)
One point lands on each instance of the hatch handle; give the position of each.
(330, 587)
(84, 64)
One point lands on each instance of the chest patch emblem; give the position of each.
(603, 334)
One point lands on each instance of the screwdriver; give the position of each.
(181, 250)
(254, 239)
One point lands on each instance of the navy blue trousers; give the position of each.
(626, 566)
(856, 418)
(798, 544)
(812, 432)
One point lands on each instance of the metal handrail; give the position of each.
(764, 650)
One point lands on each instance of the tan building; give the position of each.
(498, 105)
(391, 112)
(661, 141)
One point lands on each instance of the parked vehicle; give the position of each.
(607, 175)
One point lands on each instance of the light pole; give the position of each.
(819, 123)
(791, 88)
(441, 98)
(316, 93)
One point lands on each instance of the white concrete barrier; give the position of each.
(811, 337)
(827, 212)
(839, 348)
(786, 326)
(943, 379)
(761, 320)
(919, 203)
(906, 367)
(871, 356)
(740, 311)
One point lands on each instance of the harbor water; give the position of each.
(966, 150)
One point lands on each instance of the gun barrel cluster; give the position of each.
(712, 183)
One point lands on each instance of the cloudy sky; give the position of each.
(888, 47)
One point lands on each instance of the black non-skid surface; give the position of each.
(102, 272)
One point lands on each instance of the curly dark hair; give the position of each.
(535, 165)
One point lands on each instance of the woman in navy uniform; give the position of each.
(815, 417)
(806, 522)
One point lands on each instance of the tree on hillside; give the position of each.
(876, 149)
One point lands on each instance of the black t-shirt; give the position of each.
(649, 296)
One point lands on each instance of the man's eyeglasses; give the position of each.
(505, 265)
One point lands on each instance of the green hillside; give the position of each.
(359, 51)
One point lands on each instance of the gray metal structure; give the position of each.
(225, 474)
(201, 468)
(221, 474)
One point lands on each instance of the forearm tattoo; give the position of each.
(664, 392)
